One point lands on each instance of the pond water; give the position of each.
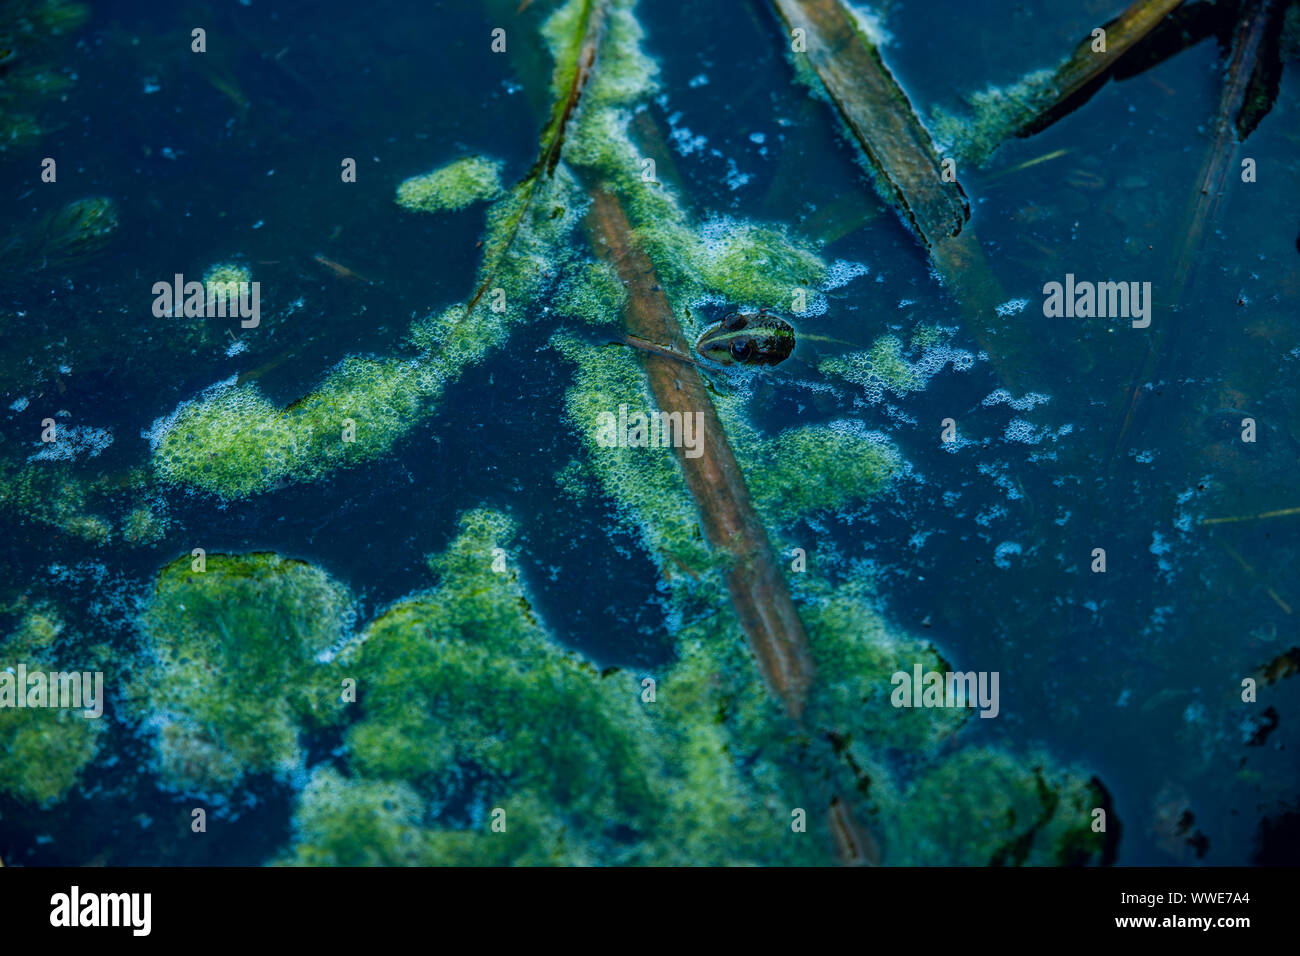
(985, 546)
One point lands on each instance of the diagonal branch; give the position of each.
(571, 77)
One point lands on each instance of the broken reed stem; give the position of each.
(757, 587)
(909, 170)
(1250, 570)
(1210, 183)
(879, 115)
(595, 14)
(1084, 66)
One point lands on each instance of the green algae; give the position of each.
(78, 229)
(592, 293)
(984, 807)
(993, 115)
(646, 484)
(223, 280)
(239, 655)
(33, 35)
(465, 701)
(883, 367)
(144, 526)
(453, 186)
(463, 683)
(467, 708)
(851, 466)
(234, 442)
(58, 497)
(43, 751)
(466, 705)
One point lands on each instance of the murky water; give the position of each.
(984, 547)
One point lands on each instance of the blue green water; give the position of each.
(983, 548)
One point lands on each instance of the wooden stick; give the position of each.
(758, 588)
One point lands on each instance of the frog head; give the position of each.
(755, 338)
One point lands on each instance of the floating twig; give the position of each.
(1230, 519)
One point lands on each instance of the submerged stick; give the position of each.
(757, 587)
(1247, 41)
(1231, 519)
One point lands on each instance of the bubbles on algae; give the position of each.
(233, 441)
(57, 495)
(222, 281)
(890, 368)
(43, 750)
(237, 666)
(455, 185)
(850, 463)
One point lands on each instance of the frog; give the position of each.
(753, 338)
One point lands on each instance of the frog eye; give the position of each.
(742, 349)
(733, 322)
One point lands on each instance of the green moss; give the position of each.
(42, 750)
(982, 807)
(456, 185)
(240, 656)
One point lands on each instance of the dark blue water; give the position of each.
(235, 153)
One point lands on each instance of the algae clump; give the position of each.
(466, 705)
(984, 807)
(43, 750)
(456, 185)
(240, 656)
